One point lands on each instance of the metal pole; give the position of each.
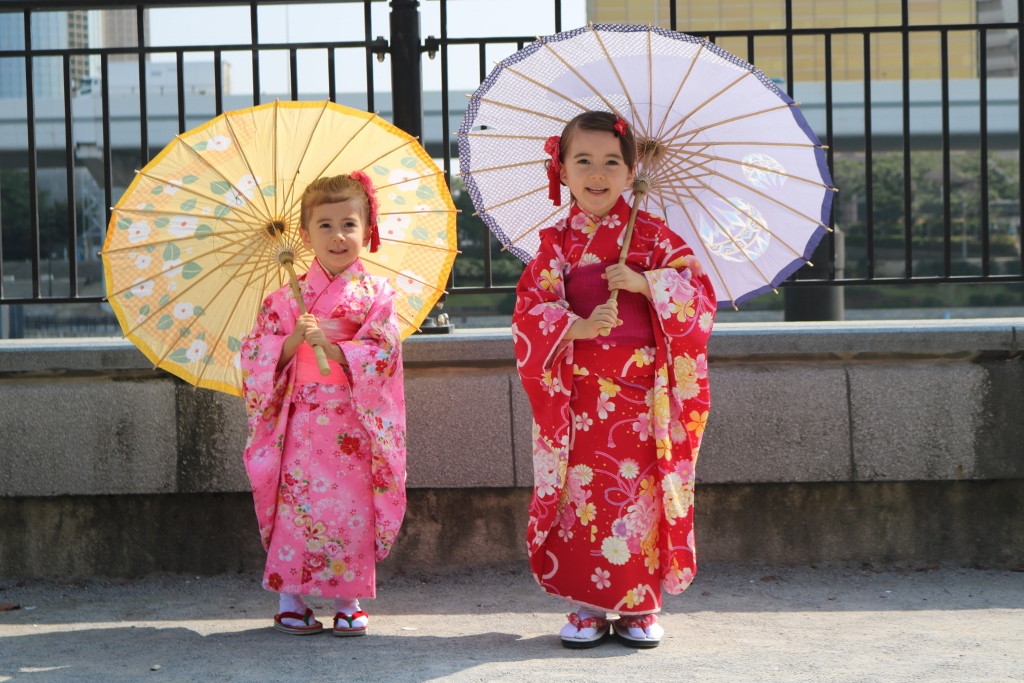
(406, 67)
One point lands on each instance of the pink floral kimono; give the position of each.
(326, 455)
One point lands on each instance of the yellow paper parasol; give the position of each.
(193, 245)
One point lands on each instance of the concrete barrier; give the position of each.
(102, 457)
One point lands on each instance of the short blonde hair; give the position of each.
(331, 190)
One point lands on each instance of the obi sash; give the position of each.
(585, 291)
(306, 369)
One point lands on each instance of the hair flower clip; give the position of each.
(620, 125)
(371, 196)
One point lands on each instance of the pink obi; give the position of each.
(306, 369)
(585, 291)
(308, 372)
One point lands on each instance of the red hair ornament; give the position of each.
(620, 125)
(553, 148)
(371, 198)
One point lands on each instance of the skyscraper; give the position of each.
(121, 29)
(50, 30)
(697, 16)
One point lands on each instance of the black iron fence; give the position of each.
(930, 202)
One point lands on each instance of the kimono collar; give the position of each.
(620, 209)
(318, 279)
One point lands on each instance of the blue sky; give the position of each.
(320, 22)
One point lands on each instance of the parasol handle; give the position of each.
(286, 259)
(640, 187)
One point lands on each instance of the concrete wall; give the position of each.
(903, 422)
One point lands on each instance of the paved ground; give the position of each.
(736, 623)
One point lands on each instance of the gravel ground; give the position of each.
(736, 623)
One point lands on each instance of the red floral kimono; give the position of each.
(618, 420)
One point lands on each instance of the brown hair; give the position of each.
(603, 122)
(330, 190)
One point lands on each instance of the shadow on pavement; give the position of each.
(127, 654)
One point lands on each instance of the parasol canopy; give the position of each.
(192, 247)
(728, 159)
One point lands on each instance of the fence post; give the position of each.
(406, 67)
(818, 303)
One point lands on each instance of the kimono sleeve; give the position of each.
(263, 386)
(267, 393)
(374, 365)
(542, 315)
(681, 291)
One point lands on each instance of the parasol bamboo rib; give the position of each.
(692, 132)
(201, 195)
(390, 151)
(500, 168)
(763, 225)
(227, 323)
(411, 213)
(710, 258)
(285, 201)
(416, 245)
(513, 107)
(650, 84)
(254, 263)
(671, 107)
(248, 166)
(549, 89)
(582, 79)
(749, 144)
(686, 117)
(219, 175)
(775, 201)
(208, 252)
(344, 147)
(472, 134)
(193, 318)
(370, 259)
(419, 177)
(542, 222)
(220, 233)
(277, 110)
(760, 168)
(615, 70)
(736, 244)
(507, 201)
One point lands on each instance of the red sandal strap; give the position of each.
(589, 622)
(349, 618)
(640, 622)
(304, 618)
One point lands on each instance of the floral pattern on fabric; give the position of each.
(617, 428)
(326, 461)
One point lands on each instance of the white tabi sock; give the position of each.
(350, 606)
(654, 631)
(570, 631)
(292, 603)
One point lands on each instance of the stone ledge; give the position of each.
(976, 524)
(840, 340)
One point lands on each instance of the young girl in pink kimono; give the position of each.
(326, 455)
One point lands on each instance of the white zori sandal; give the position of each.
(641, 631)
(580, 634)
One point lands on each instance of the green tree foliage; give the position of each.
(469, 265)
(16, 222)
(927, 212)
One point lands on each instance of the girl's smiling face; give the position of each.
(594, 170)
(336, 234)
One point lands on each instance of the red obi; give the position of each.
(585, 291)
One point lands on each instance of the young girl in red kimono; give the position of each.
(326, 455)
(618, 419)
